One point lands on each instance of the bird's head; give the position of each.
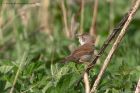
(85, 38)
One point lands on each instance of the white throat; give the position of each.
(81, 42)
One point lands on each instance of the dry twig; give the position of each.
(94, 18)
(115, 45)
(65, 18)
(45, 17)
(105, 45)
(86, 81)
(82, 15)
(138, 87)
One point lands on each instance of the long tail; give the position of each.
(67, 59)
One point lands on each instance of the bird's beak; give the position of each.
(78, 35)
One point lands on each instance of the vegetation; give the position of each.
(34, 39)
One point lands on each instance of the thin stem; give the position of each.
(104, 46)
(115, 45)
(3, 8)
(1, 36)
(30, 88)
(18, 71)
(65, 18)
(94, 19)
(86, 81)
(82, 16)
(16, 16)
(138, 87)
(45, 16)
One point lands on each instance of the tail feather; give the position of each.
(67, 59)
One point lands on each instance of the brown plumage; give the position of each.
(84, 52)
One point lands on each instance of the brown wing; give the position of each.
(83, 50)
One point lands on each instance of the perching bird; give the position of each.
(84, 53)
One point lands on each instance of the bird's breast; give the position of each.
(85, 58)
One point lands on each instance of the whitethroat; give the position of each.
(85, 52)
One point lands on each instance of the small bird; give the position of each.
(84, 53)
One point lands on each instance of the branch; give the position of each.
(116, 44)
(94, 18)
(115, 31)
(65, 18)
(82, 15)
(138, 87)
(86, 81)
(109, 39)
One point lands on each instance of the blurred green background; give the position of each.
(34, 38)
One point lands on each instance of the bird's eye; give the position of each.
(84, 38)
